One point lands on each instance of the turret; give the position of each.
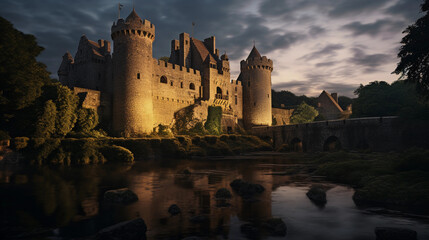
(256, 78)
(132, 74)
(64, 70)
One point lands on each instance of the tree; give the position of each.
(45, 125)
(22, 77)
(288, 99)
(87, 119)
(381, 99)
(414, 53)
(304, 113)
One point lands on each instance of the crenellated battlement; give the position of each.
(236, 82)
(133, 25)
(257, 63)
(172, 66)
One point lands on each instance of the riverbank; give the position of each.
(397, 180)
(84, 151)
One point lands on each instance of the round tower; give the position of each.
(132, 74)
(256, 79)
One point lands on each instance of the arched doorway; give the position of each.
(332, 144)
(296, 145)
(219, 93)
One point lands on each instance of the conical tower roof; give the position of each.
(133, 17)
(254, 53)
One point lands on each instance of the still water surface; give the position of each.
(69, 200)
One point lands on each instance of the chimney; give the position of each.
(335, 97)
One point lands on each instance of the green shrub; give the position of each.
(117, 154)
(87, 120)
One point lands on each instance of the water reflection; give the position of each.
(72, 200)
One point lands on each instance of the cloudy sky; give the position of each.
(316, 45)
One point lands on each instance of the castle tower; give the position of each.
(132, 74)
(256, 78)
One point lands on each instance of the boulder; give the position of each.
(122, 196)
(246, 189)
(317, 194)
(223, 193)
(388, 233)
(130, 230)
(174, 209)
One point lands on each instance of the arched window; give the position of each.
(219, 90)
(192, 86)
(163, 79)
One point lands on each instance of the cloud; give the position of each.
(407, 9)
(379, 27)
(328, 50)
(371, 62)
(326, 64)
(316, 31)
(344, 8)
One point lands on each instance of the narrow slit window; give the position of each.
(138, 75)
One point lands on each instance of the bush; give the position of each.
(213, 123)
(87, 120)
(117, 154)
(415, 159)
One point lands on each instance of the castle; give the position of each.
(133, 92)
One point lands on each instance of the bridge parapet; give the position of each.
(377, 133)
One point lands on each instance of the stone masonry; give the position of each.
(138, 92)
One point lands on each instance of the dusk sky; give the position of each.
(316, 45)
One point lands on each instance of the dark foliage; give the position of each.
(414, 53)
(382, 99)
(290, 100)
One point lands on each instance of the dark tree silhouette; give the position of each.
(414, 53)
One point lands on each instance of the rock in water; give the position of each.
(317, 194)
(174, 209)
(246, 189)
(123, 196)
(223, 193)
(129, 230)
(387, 233)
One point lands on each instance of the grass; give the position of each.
(389, 179)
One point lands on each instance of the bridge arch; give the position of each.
(331, 144)
(296, 145)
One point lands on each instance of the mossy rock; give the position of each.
(117, 154)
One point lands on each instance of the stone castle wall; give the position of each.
(172, 90)
(256, 91)
(132, 74)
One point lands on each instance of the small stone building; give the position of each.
(329, 109)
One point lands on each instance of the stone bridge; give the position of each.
(375, 133)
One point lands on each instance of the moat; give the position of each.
(69, 200)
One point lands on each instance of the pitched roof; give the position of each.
(133, 17)
(202, 50)
(254, 53)
(331, 99)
